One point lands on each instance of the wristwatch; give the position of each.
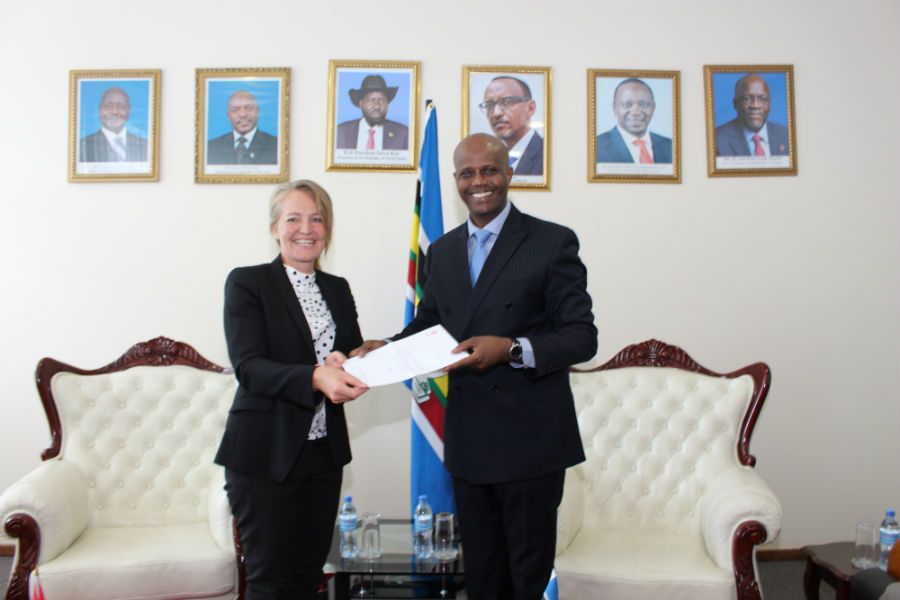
(515, 352)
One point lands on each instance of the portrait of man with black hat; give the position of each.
(373, 131)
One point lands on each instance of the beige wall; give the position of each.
(801, 272)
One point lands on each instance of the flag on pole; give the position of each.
(429, 396)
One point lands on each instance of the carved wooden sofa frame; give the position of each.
(24, 526)
(747, 513)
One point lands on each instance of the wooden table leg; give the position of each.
(811, 580)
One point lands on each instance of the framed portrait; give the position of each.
(373, 109)
(241, 126)
(512, 103)
(750, 120)
(634, 120)
(114, 125)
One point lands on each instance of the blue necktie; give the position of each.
(479, 255)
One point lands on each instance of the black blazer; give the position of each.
(271, 348)
(506, 424)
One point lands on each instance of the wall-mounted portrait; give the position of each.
(750, 120)
(634, 119)
(242, 133)
(372, 115)
(114, 125)
(512, 103)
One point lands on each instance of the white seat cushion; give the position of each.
(161, 562)
(643, 564)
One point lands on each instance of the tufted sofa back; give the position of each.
(145, 438)
(654, 437)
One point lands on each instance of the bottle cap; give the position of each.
(348, 498)
(891, 513)
(423, 498)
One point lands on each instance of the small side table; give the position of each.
(830, 562)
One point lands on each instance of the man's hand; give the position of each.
(337, 385)
(484, 351)
(335, 359)
(367, 347)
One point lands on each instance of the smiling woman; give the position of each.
(287, 325)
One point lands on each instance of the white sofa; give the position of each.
(668, 504)
(128, 503)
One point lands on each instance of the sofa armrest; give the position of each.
(219, 512)
(55, 495)
(570, 514)
(735, 496)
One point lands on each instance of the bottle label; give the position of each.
(348, 522)
(423, 522)
(889, 537)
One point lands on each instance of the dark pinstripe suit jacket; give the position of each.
(506, 424)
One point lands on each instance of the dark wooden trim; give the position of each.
(746, 537)
(158, 352)
(24, 527)
(654, 353)
(776, 554)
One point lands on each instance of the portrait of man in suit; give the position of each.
(245, 144)
(373, 131)
(751, 133)
(630, 140)
(509, 107)
(113, 142)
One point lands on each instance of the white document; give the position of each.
(424, 352)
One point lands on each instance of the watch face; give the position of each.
(515, 352)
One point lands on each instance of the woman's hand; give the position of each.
(337, 385)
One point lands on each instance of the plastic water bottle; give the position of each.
(890, 531)
(349, 519)
(423, 525)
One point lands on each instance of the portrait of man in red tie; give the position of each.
(373, 130)
(630, 140)
(633, 125)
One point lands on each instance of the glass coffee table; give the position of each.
(397, 574)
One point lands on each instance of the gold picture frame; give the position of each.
(750, 124)
(373, 115)
(524, 123)
(114, 125)
(638, 106)
(242, 125)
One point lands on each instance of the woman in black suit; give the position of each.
(288, 325)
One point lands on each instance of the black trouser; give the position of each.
(286, 528)
(508, 533)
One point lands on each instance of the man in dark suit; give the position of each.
(509, 106)
(113, 143)
(245, 144)
(373, 131)
(631, 139)
(751, 134)
(510, 429)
